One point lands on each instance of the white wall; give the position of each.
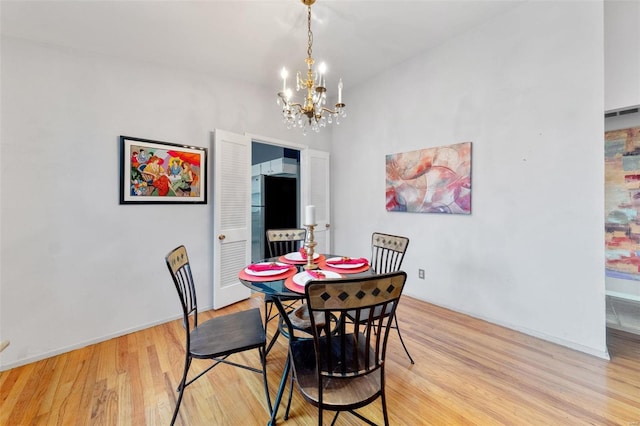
(77, 267)
(622, 57)
(527, 89)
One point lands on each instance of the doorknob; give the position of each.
(221, 237)
(327, 225)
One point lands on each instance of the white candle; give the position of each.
(310, 215)
(322, 69)
(340, 92)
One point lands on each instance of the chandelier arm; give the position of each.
(323, 109)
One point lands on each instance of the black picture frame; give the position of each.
(156, 172)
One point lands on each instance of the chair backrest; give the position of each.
(178, 264)
(283, 241)
(351, 350)
(387, 252)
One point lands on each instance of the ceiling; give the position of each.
(250, 40)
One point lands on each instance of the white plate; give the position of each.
(297, 257)
(268, 272)
(302, 278)
(344, 265)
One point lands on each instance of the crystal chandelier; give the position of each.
(311, 113)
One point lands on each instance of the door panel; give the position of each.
(231, 216)
(316, 191)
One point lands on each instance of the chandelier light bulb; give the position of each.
(322, 69)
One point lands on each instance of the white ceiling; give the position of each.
(250, 40)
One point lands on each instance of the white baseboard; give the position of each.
(45, 355)
(566, 343)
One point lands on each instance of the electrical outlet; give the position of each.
(421, 274)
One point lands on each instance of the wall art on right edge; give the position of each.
(430, 180)
(622, 203)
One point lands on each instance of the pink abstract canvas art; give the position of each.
(622, 203)
(430, 180)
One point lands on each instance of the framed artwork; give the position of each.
(622, 203)
(153, 172)
(431, 180)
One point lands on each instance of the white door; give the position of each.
(231, 216)
(316, 191)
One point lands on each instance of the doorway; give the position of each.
(275, 193)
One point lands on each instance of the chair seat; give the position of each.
(299, 318)
(228, 334)
(337, 392)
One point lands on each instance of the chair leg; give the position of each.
(384, 408)
(267, 312)
(273, 340)
(263, 361)
(181, 387)
(286, 413)
(395, 318)
(267, 319)
(283, 383)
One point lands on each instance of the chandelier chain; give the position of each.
(310, 34)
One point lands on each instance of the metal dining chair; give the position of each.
(343, 368)
(217, 338)
(281, 242)
(387, 254)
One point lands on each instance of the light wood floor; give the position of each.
(467, 372)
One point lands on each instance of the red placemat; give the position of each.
(286, 274)
(288, 283)
(291, 285)
(283, 259)
(326, 266)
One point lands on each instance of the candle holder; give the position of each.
(310, 245)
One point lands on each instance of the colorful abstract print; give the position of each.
(622, 201)
(431, 180)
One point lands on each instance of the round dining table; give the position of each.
(286, 285)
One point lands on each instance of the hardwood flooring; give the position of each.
(467, 372)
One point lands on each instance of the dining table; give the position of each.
(284, 278)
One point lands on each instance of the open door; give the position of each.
(231, 216)
(316, 191)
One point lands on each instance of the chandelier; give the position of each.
(311, 113)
